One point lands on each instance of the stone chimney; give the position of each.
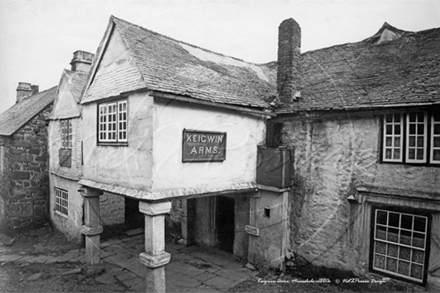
(81, 61)
(289, 61)
(24, 90)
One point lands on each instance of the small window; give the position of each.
(112, 118)
(267, 212)
(399, 245)
(66, 134)
(61, 201)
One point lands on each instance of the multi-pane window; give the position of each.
(435, 134)
(399, 244)
(393, 138)
(112, 126)
(407, 138)
(61, 201)
(66, 134)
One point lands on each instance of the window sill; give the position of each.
(123, 144)
(61, 215)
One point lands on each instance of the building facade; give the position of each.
(364, 122)
(24, 180)
(66, 155)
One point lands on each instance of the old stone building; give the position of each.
(24, 180)
(176, 128)
(65, 150)
(364, 119)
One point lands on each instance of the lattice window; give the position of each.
(400, 242)
(61, 201)
(66, 134)
(112, 126)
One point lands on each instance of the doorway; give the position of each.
(225, 223)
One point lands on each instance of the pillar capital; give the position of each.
(154, 209)
(90, 231)
(89, 192)
(154, 261)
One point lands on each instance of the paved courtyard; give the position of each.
(192, 269)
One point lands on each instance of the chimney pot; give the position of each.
(24, 90)
(289, 60)
(81, 61)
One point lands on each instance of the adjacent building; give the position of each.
(24, 180)
(66, 155)
(364, 119)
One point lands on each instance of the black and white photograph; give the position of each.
(209, 146)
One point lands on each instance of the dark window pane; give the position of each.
(379, 261)
(420, 116)
(411, 154)
(417, 271)
(396, 129)
(396, 154)
(388, 154)
(436, 128)
(388, 141)
(418, 256)
(397, 141)
(381, 217)
(437, 155)
(437, 142)
(391, 265)
(420, 129)
(418, 240)
(396, 117)
(412, 141)
(392, 234)
(394, 219)
(405, 253)
(403, 268)
(380, 247)
(381, 233)
(420, 141)
(419, 154)
(412, 128)
(389, 118)
(412, 117)
(389, 129)
(420, 224)
(392, 250)
(406, 222)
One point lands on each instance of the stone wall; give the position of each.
(332, 158)
(26, 202)
(5, 180)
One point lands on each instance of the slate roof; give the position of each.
(171, 66)
(15, 117)
(77, 81)
(403, 71)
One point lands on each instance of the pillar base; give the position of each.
(91, 231)
(154, 261)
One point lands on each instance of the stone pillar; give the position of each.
(155, 257)
(92, 227)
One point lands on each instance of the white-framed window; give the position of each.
(112, 122)
(393, 138)
(416, 135)
(66, 133)
(412, 137)
(61, 201)
(435, 141)
(399, 244)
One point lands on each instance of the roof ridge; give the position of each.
(180, 42)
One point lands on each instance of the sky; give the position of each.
(38, 37)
